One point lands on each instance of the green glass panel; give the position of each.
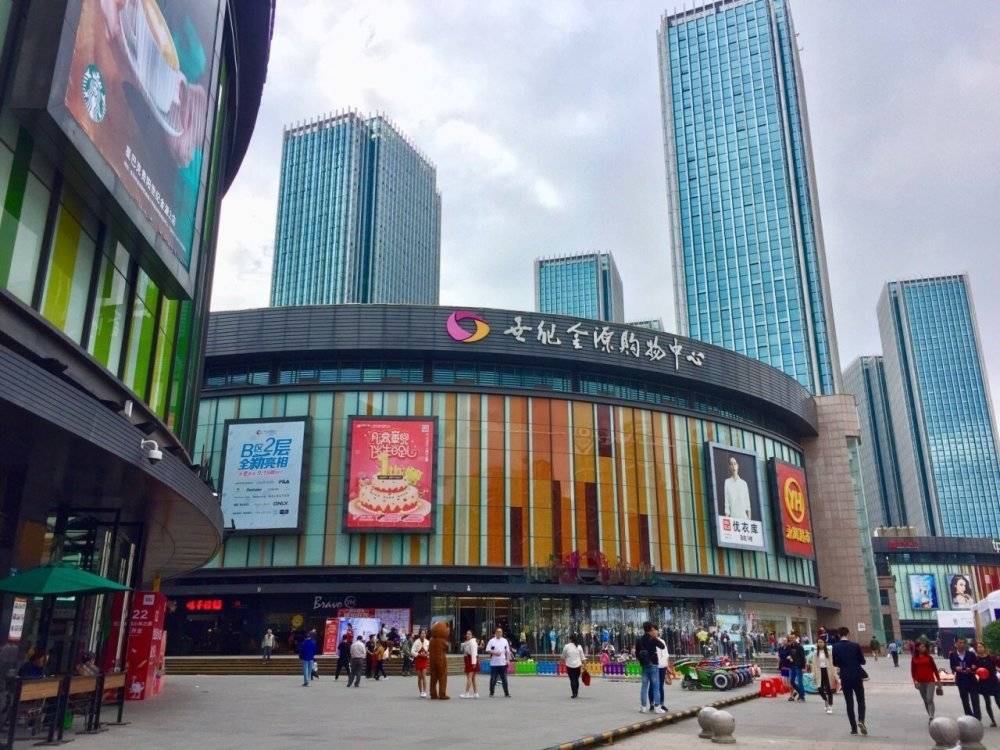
(67, 283)
(141, 336)
(25, 207)
(107, 326)
(164, 357)
(179, 388)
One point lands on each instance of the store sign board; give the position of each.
(17, 619)
(955, 618)
(791, 501)
(733, 482)
(263, 462)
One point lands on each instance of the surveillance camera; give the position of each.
(151, 450)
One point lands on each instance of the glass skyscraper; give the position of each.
(747, 243)
(583, 286)
(940, 403)
(359, 216)
(865, 379)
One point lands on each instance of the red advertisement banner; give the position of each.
(793, 506)
(146, 646)
(390, 485)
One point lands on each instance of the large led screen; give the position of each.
(137, 82)
(262, 474)
(391, 474)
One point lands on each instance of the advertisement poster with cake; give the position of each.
(391, 474)
(138, 87)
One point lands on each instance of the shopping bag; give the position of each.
(585, 677)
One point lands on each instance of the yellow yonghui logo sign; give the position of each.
(795, 499)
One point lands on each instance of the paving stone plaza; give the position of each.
(276, 712)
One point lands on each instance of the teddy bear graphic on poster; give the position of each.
(440, 634)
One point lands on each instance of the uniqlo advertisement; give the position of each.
(792, 500)
(146, 644)
(391, 475)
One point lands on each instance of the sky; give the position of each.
(544, 123)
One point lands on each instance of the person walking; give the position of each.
(893, 649)
(925, 676)
(850, 661)
(470, 662)
(370, 656)
(645, 652)
(499, 650)
(307, 653)
(875, 646)
(963, 664)
(405, 648)
(267, 644)
(359, 655)
(796, 667)
(821, 670)
(663, 674)
(572, 657)
(378, 659)
(343, 658)
(421, 660)
(988, 687)
(784, 663)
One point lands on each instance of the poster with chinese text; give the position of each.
(391, 474)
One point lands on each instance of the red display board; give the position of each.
(331, 635)
(146, 645)
(391, 475)
(792, 501)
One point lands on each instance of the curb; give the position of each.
(671, 717)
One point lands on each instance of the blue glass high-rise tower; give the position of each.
(747, 243)
(865, 379)
(584, 286)
(941, 411)
(359, 216)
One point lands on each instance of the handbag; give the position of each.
(864, 674)
(939, 690)
(585, 676)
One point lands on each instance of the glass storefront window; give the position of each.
(71, 260)
(22, 223)
(164, 356)
(141, 335)
(107, 326)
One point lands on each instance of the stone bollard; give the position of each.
(723, 724)
(705, 722)
(970, 733)
(944, 732)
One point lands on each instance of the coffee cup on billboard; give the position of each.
(155, 56)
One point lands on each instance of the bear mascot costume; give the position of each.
(440, 633)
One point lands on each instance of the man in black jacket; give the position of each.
(963, 665)
(849, 659)
(797, 659)
(344, 658)
(645, 652)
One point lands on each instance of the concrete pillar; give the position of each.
(843, 551)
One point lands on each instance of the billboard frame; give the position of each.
(777, 503)
(346, 498)
(306, 446)
(710, 465)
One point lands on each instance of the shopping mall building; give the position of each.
(114, 156)
(545, 474)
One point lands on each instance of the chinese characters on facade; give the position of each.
(605, 339)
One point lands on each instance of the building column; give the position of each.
(844, 561)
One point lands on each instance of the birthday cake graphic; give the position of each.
(392, 494)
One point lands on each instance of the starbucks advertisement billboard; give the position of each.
(134, 79)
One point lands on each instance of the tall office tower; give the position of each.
(359, 216)
(864, 378)
(653, 324)
(584, 286)
(746, 238)
(940, 402)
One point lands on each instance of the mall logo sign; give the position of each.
(461, 334)
(348, 602)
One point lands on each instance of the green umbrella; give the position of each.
(56, 579)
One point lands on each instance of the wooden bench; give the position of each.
(28, 703)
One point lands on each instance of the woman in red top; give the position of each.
(925, 676)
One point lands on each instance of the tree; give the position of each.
(991, 637)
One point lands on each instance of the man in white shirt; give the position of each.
(359, 655)
(737, 493)
(499, 650)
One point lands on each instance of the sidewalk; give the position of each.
(895, 717)
(277, 712)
